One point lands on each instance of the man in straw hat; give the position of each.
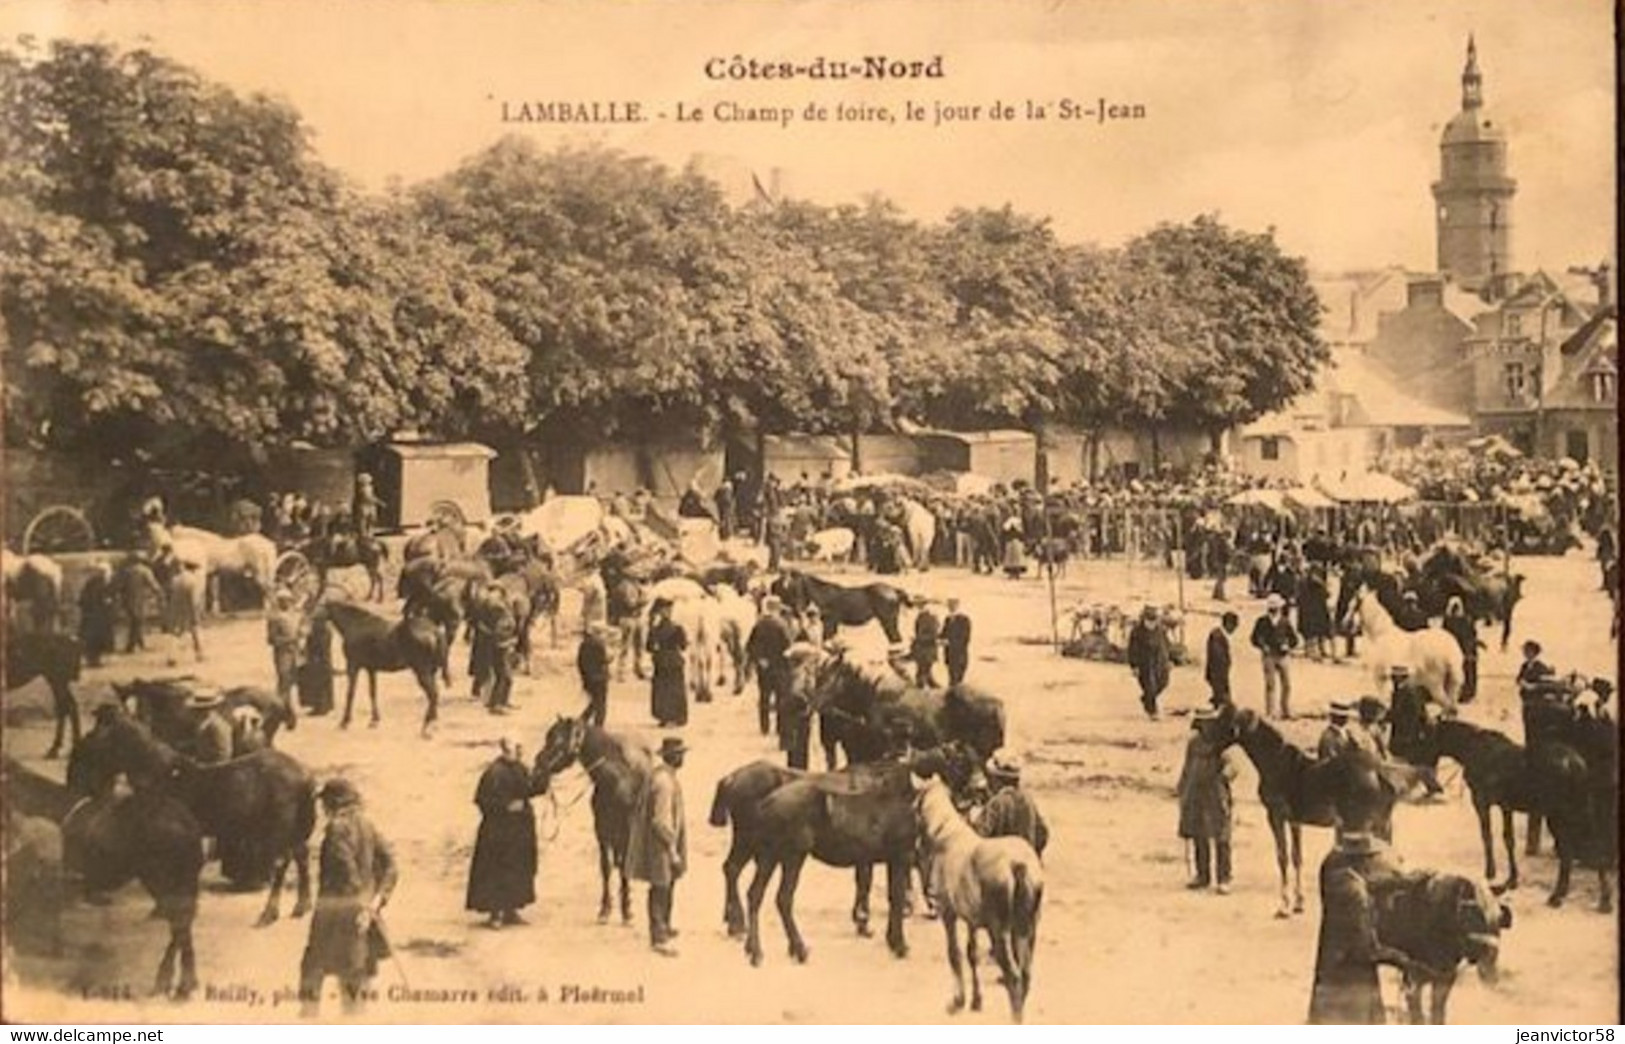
(356, 876)
(657, 851)
(1335, 738)
(1205, 806)
(1274, 638)
(211, 731)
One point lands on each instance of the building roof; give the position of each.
(1591, 350)
(440, 450)
(981, 438)
(1352, 392)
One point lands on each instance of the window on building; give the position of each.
(1269, 449)
(1517, 380)
(1514, 324)
(1602, 387)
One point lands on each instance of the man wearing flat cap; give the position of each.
(211, 732)
(356, 876)
(765, 647)
(657, 851)
(1011, 811)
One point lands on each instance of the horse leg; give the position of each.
(1531, 844)
(1278, 830)
(166, 966)
(758, 888)
(1565, 865)
(1487, 834)
(865, 879)
(626, 888)
(301, 867)
(1412, 990)
(431, 694)
(372, 697)
(1014, 985)
(605, 871)
(1297, 868)
(733, 914)
(950, 926)
(1510, 837)
(1605, 890)
(897, 876)
(66, 709)
(188, 983)
(786, 901)
(349, 694)
(273, 901)
(975, 976)
(1439, 1001)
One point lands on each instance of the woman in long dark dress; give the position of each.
(667, 645)
(502, 878)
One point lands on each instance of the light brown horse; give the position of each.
(991, 883)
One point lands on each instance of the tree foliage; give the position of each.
(180, 277)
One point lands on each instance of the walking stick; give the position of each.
(394, 957)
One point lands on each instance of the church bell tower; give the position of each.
(1473, 195)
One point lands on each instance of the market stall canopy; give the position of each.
(1308, 497)
(1265, 498)
(960, 483)
(1371, 487)
(883, 480)
(563, 520)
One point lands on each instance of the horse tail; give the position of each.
(719, 805)
(1025, 897)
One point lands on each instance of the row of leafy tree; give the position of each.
(180, 276)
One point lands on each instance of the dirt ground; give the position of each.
(1121, 939)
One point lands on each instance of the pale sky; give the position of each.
(1321, 119)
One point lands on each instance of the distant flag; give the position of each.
(763, 194)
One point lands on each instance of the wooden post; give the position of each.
(1049, 551)
(1180, 559)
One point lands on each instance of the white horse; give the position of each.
(34, 581)
(699, 615)
(919, 531)
(252, 555)
(994, 884)
(1434, 658)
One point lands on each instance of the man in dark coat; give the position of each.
(1460, 626)
(1346, 987)
(355, 877)
(1411, 616)
(1011, 811)
(1205, 805)
(210, 742)
(1315, 613)
(592, 663)
(794, 709)
(956, 630)
(316, 670)
(1217, 669)
(502, 878)
(96, 614)
(668, 652)
(923, 651)
(766, 645)
(1150, 658)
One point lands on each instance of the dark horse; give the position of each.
(864, 711)
(739, 796)
(373, 643)
(619, 769)
(853, 818)
(1549, 779)
(844, 606)
(439, 589)
(160, 704)
(110, 838)
(260, 808)
(1440, 920)
(1354, 791)
(57, 658)
(337, 550)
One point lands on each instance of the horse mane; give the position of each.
(938, 815)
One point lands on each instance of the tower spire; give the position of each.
(1472, 83)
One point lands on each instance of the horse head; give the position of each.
(118, 745)
(1479, 918)
(561, 746)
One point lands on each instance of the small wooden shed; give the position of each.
(419, 480)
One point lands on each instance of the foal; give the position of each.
(991, 883)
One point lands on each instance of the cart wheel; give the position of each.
(294, 571)
(58, 529)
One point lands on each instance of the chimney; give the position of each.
(1425, 292)
(1604, 281)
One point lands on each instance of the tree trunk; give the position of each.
(1156, 450)
(857, 450)
(1041, 455)
(1094, 455)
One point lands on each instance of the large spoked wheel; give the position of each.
(59, 529)
(295, 572)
